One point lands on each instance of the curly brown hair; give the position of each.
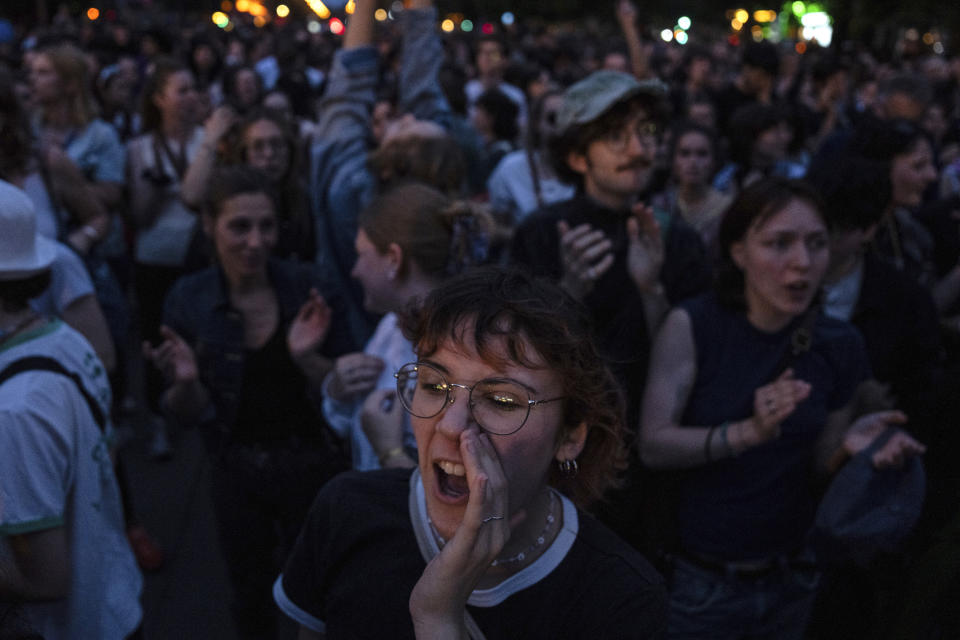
(541, 325)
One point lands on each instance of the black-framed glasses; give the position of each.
(646, 130)
(500, 406)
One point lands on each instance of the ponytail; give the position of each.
(442, 237)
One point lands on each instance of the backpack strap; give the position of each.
(43, 363)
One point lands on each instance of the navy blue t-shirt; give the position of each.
(760, 504)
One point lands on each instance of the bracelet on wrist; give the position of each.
(707, 454)
(390, 454)
(724, 438)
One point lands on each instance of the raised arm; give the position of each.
(664, 443)
(79, 196)
(344, 111)
(193, 187)
(627, 17)
(421, 58)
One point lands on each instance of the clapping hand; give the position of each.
(895, 451)
(382, 420)
(775, 402)
(218, 124)
(354, 374)
(309, 328)
(173, 357)
(586, 254)
(645, 249)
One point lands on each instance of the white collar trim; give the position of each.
(526, 577)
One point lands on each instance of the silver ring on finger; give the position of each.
(491, 518)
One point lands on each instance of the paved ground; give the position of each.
(188, 597)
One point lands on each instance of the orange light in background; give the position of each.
(350, 7)
(243, 5)
(742, 16)
(447, 25)
(380, 15)
(93, 13)
(801, 47)
(336, 26)
(283, 11)
(764, 15)
(928, 38)
(259, 21)
(319, 8)
(226, 5)
(736, 25)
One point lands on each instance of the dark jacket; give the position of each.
(899, 324)
(615, 303)
(198, 309)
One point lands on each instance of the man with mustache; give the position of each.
(626, 262)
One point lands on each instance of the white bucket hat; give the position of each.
(23, 252)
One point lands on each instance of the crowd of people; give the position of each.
(540, 332)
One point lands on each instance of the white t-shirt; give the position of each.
(55, 471)
(387, 343)
(512, 191)
(69, 281)
(166, 241)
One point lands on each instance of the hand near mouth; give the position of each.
(439, 598)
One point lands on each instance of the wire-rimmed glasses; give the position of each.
(500, 406)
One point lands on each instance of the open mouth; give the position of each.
(451, 481)
(799, 290)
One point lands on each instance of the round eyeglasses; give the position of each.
(499, 405)
(644, 130)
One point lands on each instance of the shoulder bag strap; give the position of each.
(535, 175)
(43, 363)
(800, 340)
(59, 213)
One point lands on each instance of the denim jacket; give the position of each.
(341, 183)
(198, 309)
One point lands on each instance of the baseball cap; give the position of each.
(588, 99)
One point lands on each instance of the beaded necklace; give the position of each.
(540, 540)
(520, 557)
